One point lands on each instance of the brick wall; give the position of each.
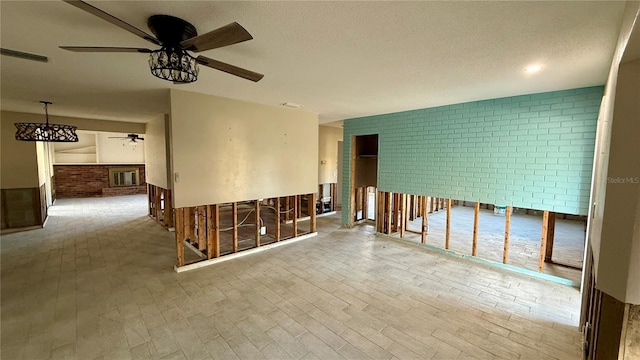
(92, 181)
(532, 151)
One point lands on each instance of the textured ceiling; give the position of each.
(338, 59)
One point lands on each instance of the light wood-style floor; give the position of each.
(98, 283)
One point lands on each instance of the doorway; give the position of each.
(364, 178)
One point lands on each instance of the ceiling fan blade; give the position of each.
(112, 19)
(23, 55)
(227, 35)
(230, 69)
(105, 49)
(139, 138)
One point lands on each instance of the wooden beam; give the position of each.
(213, 231)
(551, 229)
(543, 240)
(234, 219)
(167, 216)
(448, 226)
(295, 215)
(180, 236)
(387, 210)
(278, 219)
(423, 214)
(258, 225)
(432, 205)
(403, 214)
(202, 225)
(476, 214)
(396, 211)
(365, 193)
(507, 232)
(312, 213)
(379, 208)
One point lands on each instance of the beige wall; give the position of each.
(226, 150)
(18, 159)
(613, 225)
(620, 226)
(328, 138)
(156, 153)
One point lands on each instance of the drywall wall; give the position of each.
(531, 151)
(19, 165)
(226, 150)
(119, 151)
(156, 152)
(613, 248)
(620, 217)
(328, 137)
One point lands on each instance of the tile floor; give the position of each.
(98, 283)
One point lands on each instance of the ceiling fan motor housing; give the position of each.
(170, 30)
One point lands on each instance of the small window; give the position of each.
(123, 177)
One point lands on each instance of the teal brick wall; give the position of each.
(531, 151)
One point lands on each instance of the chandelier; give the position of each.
(46, 132)
(173, 64)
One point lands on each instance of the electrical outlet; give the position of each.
(263, 230)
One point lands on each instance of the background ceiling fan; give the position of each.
(131, 137)
(175, 36)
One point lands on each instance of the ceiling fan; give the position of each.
(133, 138)
(175, 36)
(23, 55)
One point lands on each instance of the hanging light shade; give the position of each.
(46, 132)
(173, 64)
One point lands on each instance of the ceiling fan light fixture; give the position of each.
(46, 132)
(174, 65)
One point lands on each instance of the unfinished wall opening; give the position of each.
(541, 241)
(212, 231)
(364, 177)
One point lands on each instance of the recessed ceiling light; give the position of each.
(533, 68)
(290, 104)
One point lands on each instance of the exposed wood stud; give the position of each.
(365, 196)
(507, 231)
(202, 225)
(180, 235)
(448, 226)
(295, 215)
(403, 214)
(423, 214)
(312, 212)
(543, 240)
(192, 225)
(379, 208)
(387, 209)
(211, 230)
(432, 205)
(476, 214)
(550, 235)
(258, 224)
(277, 219)
(234, 210)
(186, 222)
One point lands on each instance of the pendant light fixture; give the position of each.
(46, 132)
